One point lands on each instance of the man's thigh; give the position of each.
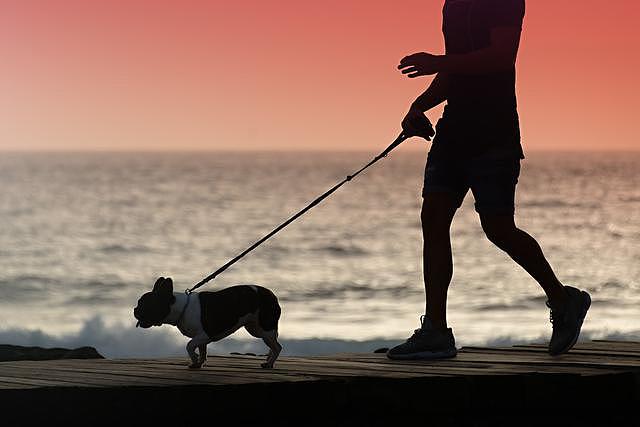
(445, 181)
(493, 179)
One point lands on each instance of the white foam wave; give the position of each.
(119, 341)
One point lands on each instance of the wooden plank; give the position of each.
(120, 376)
(287, 371)
(408, 367)
(230, 366)
(543, 350)
(468, 356)
(82, 378)
(153, 366)
(596, 345)
(615, 342)
(383, 365)
(8, 384)
(493, 367)
(587, 359)
(108, 375)
(593, 361)
(341, 367)
(591, 347)
(39, 382)
(212, 369)
(579, 351)
(543, 354)
(490, 368)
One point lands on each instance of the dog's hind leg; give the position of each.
(270, 338)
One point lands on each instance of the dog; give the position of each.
(206, 317)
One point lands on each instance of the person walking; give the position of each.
(476, 146)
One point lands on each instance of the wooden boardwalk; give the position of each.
(490, 384)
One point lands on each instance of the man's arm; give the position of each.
(499, 55)
(415, 122)
(435, 94)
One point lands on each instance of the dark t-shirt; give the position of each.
(481, 109)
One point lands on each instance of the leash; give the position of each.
(401, 138)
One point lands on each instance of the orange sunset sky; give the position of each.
(282, 74)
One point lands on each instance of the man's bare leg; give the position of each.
(437, 213)
(524, 250)
(433, 340)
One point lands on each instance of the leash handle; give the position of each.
(399, 140)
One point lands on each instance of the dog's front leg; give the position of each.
(199, 341)
(202, 352)
(191, 351)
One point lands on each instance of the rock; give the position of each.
(16, 352)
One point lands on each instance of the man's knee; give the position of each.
(437, 212)
(428, 214)
(499, 229)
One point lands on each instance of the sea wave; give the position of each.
(342, 250)
(23, 287)
(121, 248)
(349, 290)
(502, 306)
(557, 203)
(120, 341)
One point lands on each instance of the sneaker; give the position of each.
(566, 324)
(425, 343)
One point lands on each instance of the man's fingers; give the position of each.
(413, 72)
(409, 70)
(408, 128)
(409, 58)
(407, 64)
(404, 61)
(418, 125)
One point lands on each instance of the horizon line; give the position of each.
(288, 150)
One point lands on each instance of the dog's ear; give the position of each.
(158, 285)
(167, 286)
(163, 286)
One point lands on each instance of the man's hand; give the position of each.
(415, 123)
(420, 64)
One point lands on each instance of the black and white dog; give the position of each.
(206, 317)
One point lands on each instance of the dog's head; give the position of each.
(153, 307)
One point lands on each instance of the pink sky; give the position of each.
(156, 75)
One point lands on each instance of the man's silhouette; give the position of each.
(477, 147)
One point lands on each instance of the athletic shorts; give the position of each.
(492, 178)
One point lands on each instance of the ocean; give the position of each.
(83, 235)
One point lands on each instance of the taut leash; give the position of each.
(401, 138)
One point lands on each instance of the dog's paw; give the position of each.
(195, 365)
(267, 365)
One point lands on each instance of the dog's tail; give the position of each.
(269, 309)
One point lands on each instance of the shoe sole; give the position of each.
(425, 355)
(586, 303)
